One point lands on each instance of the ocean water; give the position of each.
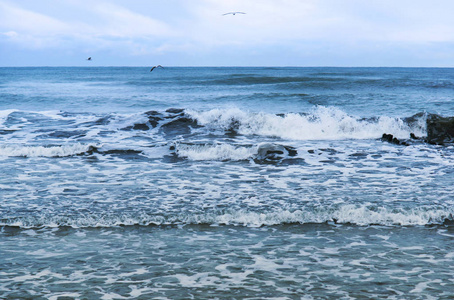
(224, 183)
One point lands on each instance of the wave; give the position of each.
(323, 123)
(43, 151)
(346, 214)
(261, 152)
(214, 152)
(320, 123)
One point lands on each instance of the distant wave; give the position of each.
(346, 214)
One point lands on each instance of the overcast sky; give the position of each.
(195, 33)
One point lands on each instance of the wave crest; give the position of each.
(323, 123)
(346, 214)
(42, 151)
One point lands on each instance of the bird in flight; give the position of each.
(234, 13)
(158, 66)
(89, 58)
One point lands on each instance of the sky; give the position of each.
(344, 33)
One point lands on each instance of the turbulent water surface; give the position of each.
(230, 183)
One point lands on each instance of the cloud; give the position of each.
(106, 25)
(10, 34)
(22, 20)
(122, 22)
(328, 30)
(295, 21)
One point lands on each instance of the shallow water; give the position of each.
(200, 261)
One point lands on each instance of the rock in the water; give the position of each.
(273, 152)
(140, 126)
(154, 118)
(393, 140)
(440, 130)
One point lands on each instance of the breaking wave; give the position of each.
(214, 152)
(346, 214)
(222, 152)
(323, 123)
(42, 151)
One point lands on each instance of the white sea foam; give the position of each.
(346, 214)
(4, 116)
(215, 152)
(5, 113)
(41, 151)
(323, 123)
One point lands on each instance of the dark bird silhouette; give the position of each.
(234, 13)
(158, 66)
(89, 58)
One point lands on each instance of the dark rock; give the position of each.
(152, 113)
(91, 150)
(393, 140)
(440, 130)
(175, 110)
(291, 151)
(387, 137)
(413, 136)
(154, 118)
(140, 127)
(273, 152)
(181, 125)
(449, 220)
(154, 121)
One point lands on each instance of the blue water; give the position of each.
(228, 183)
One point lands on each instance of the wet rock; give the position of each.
(175, 110)
(393, 140)
(440, 130)
(91, 150)
(154, 118)
(182, 125)
(414, 137)
(273, 152)
(140, 127)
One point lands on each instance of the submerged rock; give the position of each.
(274, 152)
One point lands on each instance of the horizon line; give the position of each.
(225, 66)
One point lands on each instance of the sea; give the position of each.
(225, 183)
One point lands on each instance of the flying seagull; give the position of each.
(158, 66)
(234, 13)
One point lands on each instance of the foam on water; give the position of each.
(214, 152)
(362, 215)
(42, 151)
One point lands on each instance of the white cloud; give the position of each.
(10, 34)
(302, 28)
(122, 22)
(107, 24)
(297, 21)
(22, 20)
